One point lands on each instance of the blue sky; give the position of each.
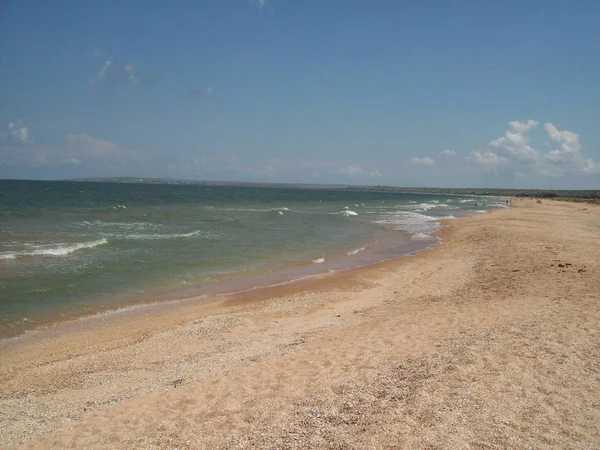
(435, 93)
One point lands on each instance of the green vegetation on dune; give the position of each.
(537, 193)
(593, 201)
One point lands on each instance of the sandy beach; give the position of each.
(490, 339)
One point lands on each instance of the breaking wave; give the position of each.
(53, 249)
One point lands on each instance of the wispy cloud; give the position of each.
(91, 146)
(449, 153)
(102, 74)
(488, 160)
(76, 149)
(134, 79)
(352, 170)
(422, 161)
(113, 72)
(17, 133)
(201, 91)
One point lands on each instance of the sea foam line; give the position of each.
(355, 251)
(152, 237)
(55, 250)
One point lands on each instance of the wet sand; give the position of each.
(489, 340)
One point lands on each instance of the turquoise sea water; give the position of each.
(70, 248)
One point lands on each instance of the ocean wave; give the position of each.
(346, 213)
(411, 221)
(421, 237)
(283, 208)
(122, 225)
(152, 237)
(54, 249)
(355, 251)
(319, 260)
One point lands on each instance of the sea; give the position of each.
(70, 249)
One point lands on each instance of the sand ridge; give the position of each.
(489, 340)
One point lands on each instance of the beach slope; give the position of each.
(488, 340)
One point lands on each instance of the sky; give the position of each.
(430, 93)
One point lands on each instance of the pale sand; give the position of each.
(481, 342)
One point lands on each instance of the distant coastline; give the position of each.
(591, 196)
(507, 192)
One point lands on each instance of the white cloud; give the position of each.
(488, 160)
(19, 133)
(569, 141)
(449, 153)
(566, 158)
(591, 168)
(261, 3)
(207, 91)
(131, 75)
(352, 170)
(91, 146)
(424, 161)
(114, 72)
(516, 141)
(101, 75)
(522, 127)
(376, 174)
(71, 161)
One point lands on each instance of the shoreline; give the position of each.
(237, 285)
(483, 340)
(264, 291)
(46, 283)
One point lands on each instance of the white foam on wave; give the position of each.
(355, 251)
(421, 237)
(425, 206)
(152, 237)
(319, 260)
(123, 225)
(346, 213)
(411, 221)
(283, 208)
(54, 249)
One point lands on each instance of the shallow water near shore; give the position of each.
(72, 248)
